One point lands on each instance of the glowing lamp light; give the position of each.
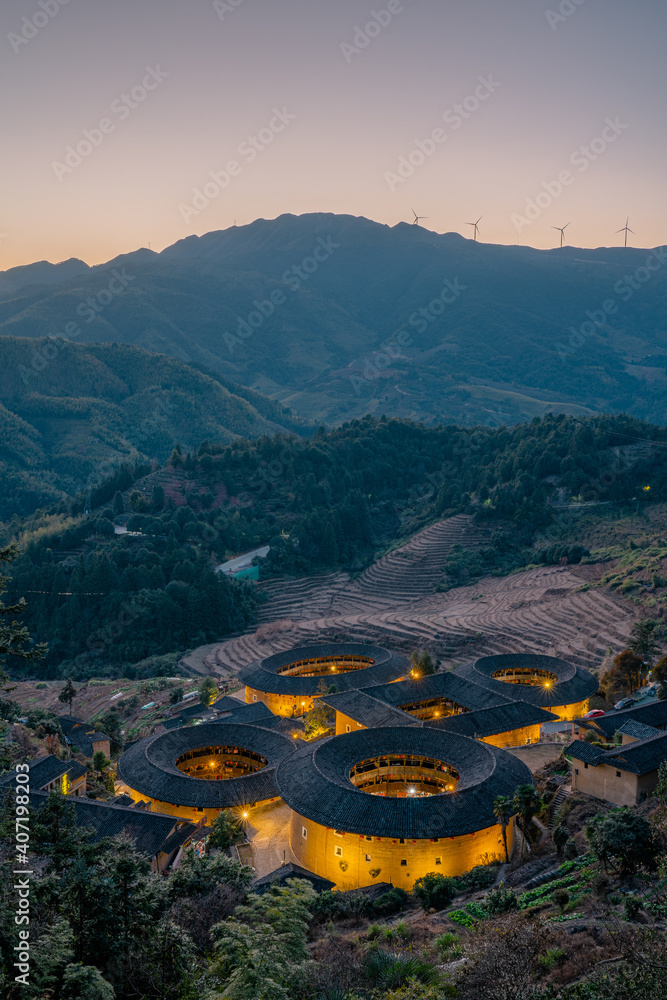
(245, 815)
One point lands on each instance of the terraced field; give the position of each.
(394, 602)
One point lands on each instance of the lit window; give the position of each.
(369, 838)
(438, 861)
(347, 729)
(254, 697)
(338, 851)
(404, 862)
(367, 857)
(337, 833)
(304, 832)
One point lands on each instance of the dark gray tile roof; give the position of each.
(263, 674)
(367, 710)
(281, 875)
(637, 730)
(178, 838)
(639, 757)
(147, 830)
(315, 783)
(44, 770)
(572, 684)
(444, 685)
(81, 734)
(653, 713)
(149, 768)
(491, 721)
(248, 715)
(169, 724)
(228, 704)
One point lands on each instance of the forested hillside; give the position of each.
(106, 601)
(70, 413)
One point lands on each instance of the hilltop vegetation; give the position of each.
(70, 413)
(370, 319)
(330, 502)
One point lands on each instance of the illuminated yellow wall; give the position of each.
(317, 852)
(568, 712)
(280, 704)
(514, 737)
(188, 812)
(343, 721)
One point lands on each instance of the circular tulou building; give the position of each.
(543, 681)
(288, 682)
(194, 772)
(394, 803)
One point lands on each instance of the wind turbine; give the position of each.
(561, 230)
(475, 226)
(626, 229)
(418, 218)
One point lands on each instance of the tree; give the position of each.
(320, 719)
(623, 840)
(659, 673)
(502, 810)
(226, 830)
(527, 803)
(14, 637)
(260, 952)
(109, 723)
(644, 642)
(208, 691)
(68, 694)
(118, 503)
(422, 664)
(100, 762)
(434, 891)
(176, 696)
(628, 673)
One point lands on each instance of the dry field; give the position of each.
(394, 602)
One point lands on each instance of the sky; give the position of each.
(130, 123)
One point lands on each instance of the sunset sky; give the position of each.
(315, 117)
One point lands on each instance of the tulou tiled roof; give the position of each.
(638, 730)
(44, 770)
(81, 734)
(367, 710)
(443, 685)
(315, 783)
(639, 757)
(492, 721)
(572, 683)
(653, 713)
(149, 766)
(286, 872)
(263, 675)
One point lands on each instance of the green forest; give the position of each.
(105, 601)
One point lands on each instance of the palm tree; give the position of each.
(502, 810)
(527, 803)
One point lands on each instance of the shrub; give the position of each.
(501, 900)
(435, 891)
(631, 908)
(387, 971)
(447, 946)
(390, 902)
(561, 898)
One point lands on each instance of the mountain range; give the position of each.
(336, 316)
